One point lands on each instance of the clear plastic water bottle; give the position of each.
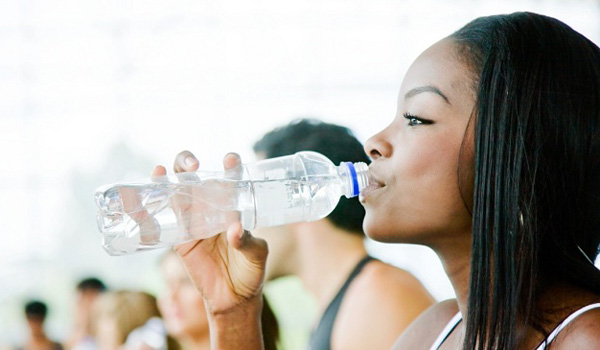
(169, 210)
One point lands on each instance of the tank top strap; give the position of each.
(565, 323)
(320, 338)
(357, 269)
(446, 331)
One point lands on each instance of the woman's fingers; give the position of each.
(158, 170)
(254, 249)
(233, 166)
(182, 203)
(231, 160)
(184, 249)
(185, 161)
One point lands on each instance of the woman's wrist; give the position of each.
(238, 327)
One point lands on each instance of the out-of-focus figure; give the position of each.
(35, 312)
(88, 290)
(182, 307)
(116, 314)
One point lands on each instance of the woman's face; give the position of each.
(182, 306)
(416, 198)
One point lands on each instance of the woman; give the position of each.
(494, 162)
(181, 306)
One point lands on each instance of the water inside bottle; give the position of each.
(139, 217)
(280, 202)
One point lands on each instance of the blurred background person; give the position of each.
(87, 290)
(116, 314)
(330, 258)
(182, 307)
(152, 335)
(35, 313)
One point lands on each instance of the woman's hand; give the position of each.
(228, 269)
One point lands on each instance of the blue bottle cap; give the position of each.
(355, 190)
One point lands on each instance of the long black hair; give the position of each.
(536, 196)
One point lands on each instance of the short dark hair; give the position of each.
(36, 310)
(91, 284)
(336, 142)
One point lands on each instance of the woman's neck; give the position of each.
(456, 259)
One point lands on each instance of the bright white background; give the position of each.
(98, 91)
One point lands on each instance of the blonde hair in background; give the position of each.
(128, 310)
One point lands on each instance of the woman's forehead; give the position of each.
(440, 67)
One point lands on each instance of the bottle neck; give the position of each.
(355, 177)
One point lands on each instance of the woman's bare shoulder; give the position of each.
(379, 276)
(425, 329)
(379, 292)
(582, 333)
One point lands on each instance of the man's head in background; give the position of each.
(88, 289)
(35, 313)
(91, 284)
(335, 142)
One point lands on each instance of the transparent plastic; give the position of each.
(169, 210)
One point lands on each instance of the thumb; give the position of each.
(254, 249)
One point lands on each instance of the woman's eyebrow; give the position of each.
(426, 88)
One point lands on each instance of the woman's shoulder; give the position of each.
(391, 277)
(404, 294)
(379, 292)
(423, 332)
(583, 332)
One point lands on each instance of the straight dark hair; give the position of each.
(536, 197)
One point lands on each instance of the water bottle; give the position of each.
(169, 210)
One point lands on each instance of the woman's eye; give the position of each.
(414, 120)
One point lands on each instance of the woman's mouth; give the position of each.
(374, 185)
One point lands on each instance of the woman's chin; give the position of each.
(378, 233)
(394, 232)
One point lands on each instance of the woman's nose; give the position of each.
(377, 146)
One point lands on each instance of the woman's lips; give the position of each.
(374, 185)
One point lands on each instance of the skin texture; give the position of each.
(416, 199)
(182, 306)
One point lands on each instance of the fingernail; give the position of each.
(190, 161)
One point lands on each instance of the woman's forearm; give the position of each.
(239, 328)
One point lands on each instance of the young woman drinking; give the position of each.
(493, 161)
